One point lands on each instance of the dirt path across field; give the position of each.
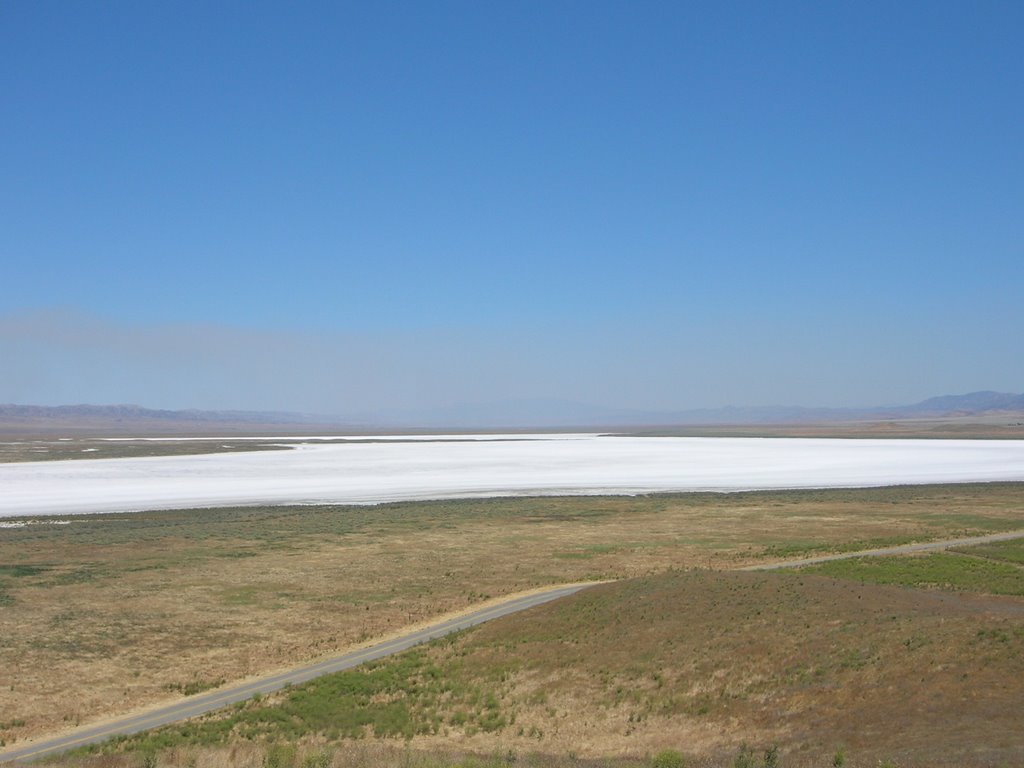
(905, 549)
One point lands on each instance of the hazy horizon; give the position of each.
(56, 358)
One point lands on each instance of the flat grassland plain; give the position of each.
(914, 659)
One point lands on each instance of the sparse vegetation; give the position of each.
(938, 570)
(799, 549)
(399, 698)
(193, 687)
(232, 592)
(6, 725)
(370, 754)
(668, 758)
(718, 656)
(1002, 551)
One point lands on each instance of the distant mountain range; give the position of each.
(138, 413)
(117, 419)
(549, 413)
(539, 413)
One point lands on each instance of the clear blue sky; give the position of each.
(640, 204)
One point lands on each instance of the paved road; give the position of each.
(905, 549)
(197, 705)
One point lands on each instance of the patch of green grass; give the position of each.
(939, 570)
(195, 686)
(241, 596)
(85, 572)
(16, 572)
(237, 555)
(968, 523)
(401, 697)
(592, 550)
(802, 548)
(585, 553)
(21, 571)
(1005, 551)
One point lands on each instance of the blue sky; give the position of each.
(661, 205)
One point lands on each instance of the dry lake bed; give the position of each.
(435, 467)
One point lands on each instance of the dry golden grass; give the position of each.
(312, 753)
(701, 661)
(110, 613)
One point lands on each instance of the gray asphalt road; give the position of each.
(197, 705)
(905, 549)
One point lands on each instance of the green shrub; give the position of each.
(745, 758)
(668, 758)
(279, 756)
(322, 759)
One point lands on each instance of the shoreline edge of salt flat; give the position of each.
(460, 466)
